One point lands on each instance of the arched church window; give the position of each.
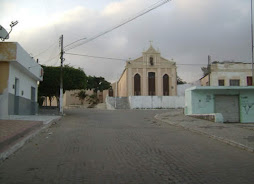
(165, 85)
(137, 90)
(151, 83)
(151, 61)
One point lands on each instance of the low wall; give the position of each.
(214, 117)
(156, 102)
(24, 107)
(145, 102)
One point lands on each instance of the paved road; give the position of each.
(95, 146)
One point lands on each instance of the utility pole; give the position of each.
(252, 45)
(61, 76)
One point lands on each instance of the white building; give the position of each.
(228, 74)
(148, 75)
(19, 74)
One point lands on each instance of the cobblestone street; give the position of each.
(124, 146)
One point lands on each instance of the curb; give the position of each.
(22, 142)
(221, 139)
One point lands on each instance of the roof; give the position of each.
(221, 88)
(151, 50)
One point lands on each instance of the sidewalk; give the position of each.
(17, 130)
(236, 134)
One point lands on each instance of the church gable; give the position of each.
(150, 57)
(148, 75)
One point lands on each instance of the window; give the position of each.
(249, 81)
(151, 83)
(221, 82)
(151, 60)
(137, 91)
(165, 85)
(234, 82)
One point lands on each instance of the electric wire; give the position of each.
(44, 51)
(119, 59)
(143, 12)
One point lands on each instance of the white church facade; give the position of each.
(148, 75)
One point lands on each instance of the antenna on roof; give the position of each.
(4, 34)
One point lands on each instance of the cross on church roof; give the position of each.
(151, 42)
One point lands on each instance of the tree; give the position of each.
(81, 95)
(206, 70)
(97, 84)
(179, 80)
(72, 79)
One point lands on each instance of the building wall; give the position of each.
(12, 52)
(226, 76)
(122, 85)
(70, 98)
(4, 76)
(16, 63)
(25, 83)
(226, 71)
(24, 91)
(201, 101)
(159, 73)
(205, 81)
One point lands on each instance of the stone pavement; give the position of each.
(236, 134)
(16, 130)
(124, 146)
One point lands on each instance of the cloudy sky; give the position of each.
(184, 30)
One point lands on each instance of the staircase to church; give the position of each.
(119, 102)
(122, 103)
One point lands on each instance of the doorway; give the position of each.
(151, 83)
(16, 97)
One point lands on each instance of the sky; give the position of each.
(186, 31)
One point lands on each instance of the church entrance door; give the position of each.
(151, 83)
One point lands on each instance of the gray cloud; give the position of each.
(185, 30)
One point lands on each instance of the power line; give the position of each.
(119, 59)
(101, 57)
(42, 52)
(143, 12)
(74, 42)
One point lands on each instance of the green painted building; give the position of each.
(234, 103)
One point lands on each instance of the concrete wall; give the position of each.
(156, 102)
(25, 106)
(201, 100)
(146, 102)
(247, 106)
(70, 98)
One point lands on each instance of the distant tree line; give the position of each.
(73, 79)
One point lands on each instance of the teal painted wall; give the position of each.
(247, 107)
(200, 100)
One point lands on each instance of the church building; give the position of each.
(148, 75)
